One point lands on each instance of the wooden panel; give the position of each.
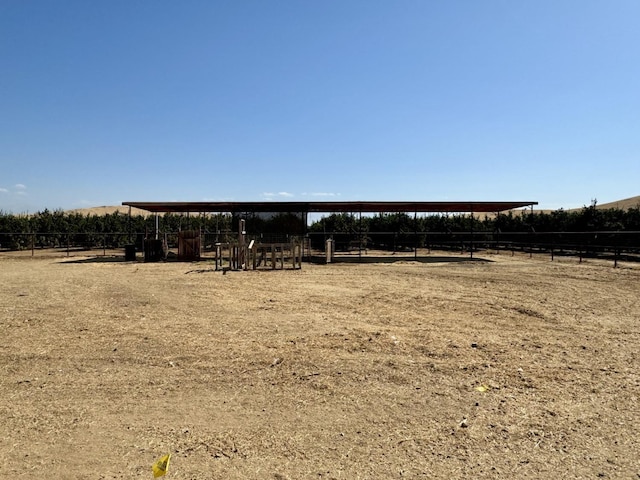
(153, 250)
(189, 245)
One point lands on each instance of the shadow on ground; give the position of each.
(100, 259)
(393, 259)
(319, 260)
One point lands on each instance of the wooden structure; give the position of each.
(189, 245)
(154, 250)
(272, 256)
(241, 255)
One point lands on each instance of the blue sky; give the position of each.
(105, 102)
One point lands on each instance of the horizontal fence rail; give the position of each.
(596, 244)
(108, 242)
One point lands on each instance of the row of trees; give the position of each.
(587, 219)
(57, 228)
(402, 231)
(60, 221)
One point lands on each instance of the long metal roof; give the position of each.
(328, 207)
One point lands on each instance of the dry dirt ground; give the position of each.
(343, 371)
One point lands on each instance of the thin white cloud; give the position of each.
(4, 190)
(20, 186)
(21, 193)
(271, 195)
(324, 194)
(267, 196)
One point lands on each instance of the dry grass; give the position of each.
(625, 204)
(337, 371)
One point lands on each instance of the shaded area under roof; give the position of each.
(327, 207)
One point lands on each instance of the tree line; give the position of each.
(58, 228)
(587, 219)
(402, 230)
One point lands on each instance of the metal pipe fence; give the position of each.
(614, 245)
(97, 243)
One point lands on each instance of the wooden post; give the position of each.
(33, 243)
(254, 253)
(328, 250)
(241, 243)
(293, 253)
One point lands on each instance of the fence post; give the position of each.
(471, 239)
(254, 253)
(415, 233)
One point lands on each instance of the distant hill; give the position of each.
(624, 204)
(108, 210)
(627, 203)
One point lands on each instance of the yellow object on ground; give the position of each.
(161, 467)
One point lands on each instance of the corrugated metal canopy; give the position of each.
(328, 207)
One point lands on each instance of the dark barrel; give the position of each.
(130, 253)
